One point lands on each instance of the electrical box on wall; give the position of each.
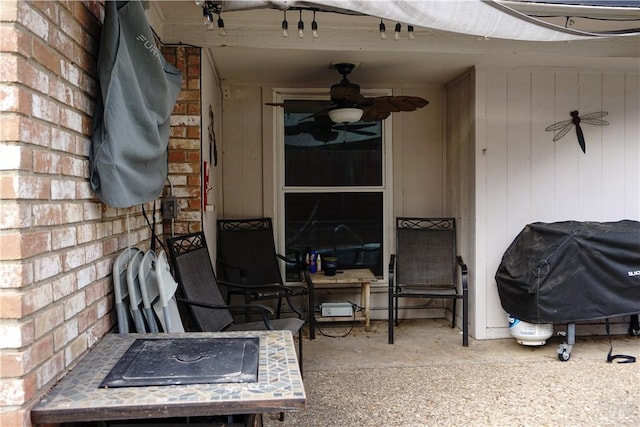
(336, 309)
(169, 207)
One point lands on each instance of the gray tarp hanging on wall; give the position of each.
(566, 272)
(138, 90)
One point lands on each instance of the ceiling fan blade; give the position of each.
(398, 103)
(373, 114)
(383, 103)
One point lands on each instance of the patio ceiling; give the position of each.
(254, 51)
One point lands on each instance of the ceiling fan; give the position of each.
(348, 105)
(346, 96)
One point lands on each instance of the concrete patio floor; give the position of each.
(428, 379)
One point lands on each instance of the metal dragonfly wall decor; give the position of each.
(563, 127)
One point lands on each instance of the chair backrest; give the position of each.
(121, 289)
(135, 296)
(147, 277)
(167, 307)
(247, 245)
(426, 252)
(192, 266)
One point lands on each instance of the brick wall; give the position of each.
(57, 240)
(184, 141)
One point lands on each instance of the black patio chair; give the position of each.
(194, 272)
(247, 255)
(426, 265)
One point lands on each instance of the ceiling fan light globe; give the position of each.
(345, 115)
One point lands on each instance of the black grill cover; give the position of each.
(571, 271)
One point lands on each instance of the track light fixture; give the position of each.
(314, 26)
(285, 25)
(300, 26)
(212, 8)
(383, 29)
(209, 10)
(221, 29)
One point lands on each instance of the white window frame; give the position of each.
(279, 96)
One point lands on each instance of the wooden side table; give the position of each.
(344, 279)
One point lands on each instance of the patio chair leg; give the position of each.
(453, 310)
(390, 315)
(396, 317)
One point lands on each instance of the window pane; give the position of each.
(343, 224)
(319, 152)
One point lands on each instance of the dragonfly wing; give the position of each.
(559, 125)
(562, 132)
(594, 115)
(596, 122)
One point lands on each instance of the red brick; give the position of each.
(48, 320)
(193, 131)
(193, 109)
(180, 108)
(48, 8)
(46, 267)
(24, 187)
(193, 156)
(44, 108)
(61, 42)
(15, 275)
(15, 215)
(70, 26)
(50, 370)
(11, 364)
(15, 99)
(65, 333)
(31, 18)
(189, 95)
(61, 91)
(15, 40)
(11, 306)
(177, 132)
(46, 162)
(16, 391)
(9, 13)
(16, 157)
(47, 214)
(46, 56)
(63, 286)
(19, 246)
(17, 417)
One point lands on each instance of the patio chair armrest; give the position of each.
(255, 307)
(300, 265)
(464, 271)
(392, 269)
(285, 289)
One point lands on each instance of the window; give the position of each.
(332, 187)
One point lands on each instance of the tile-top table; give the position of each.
(358, 277)
(78, 397)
